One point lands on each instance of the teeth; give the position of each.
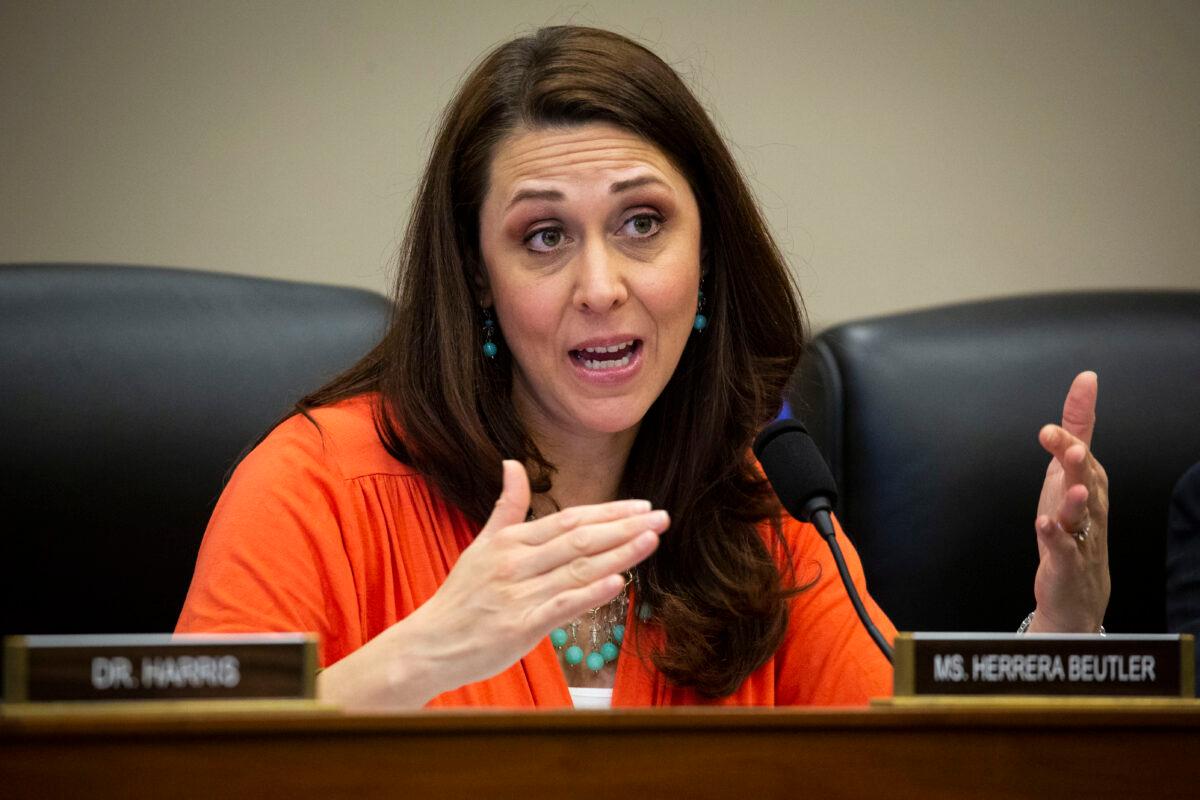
(611, 349)
(606, 363)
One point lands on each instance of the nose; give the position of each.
(600, 284)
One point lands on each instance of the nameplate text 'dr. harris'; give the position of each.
(41, 669)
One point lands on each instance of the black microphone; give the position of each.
(806, 489)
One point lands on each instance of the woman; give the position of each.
(592, 323)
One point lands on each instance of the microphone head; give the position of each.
(794, 466)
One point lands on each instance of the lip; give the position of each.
(608, 377)
(606, 341)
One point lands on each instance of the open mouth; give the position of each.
(612, 356)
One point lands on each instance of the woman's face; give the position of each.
(591, 242)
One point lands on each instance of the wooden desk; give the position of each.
(1009, 750)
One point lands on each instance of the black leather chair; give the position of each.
(127, 395)
(929, 421)
(1183, 559)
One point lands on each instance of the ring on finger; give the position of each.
(1081, 535)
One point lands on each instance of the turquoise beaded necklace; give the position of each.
(605, 632)
(605, 629)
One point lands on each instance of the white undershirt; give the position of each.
(590, 698)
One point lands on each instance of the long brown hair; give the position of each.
(718, 591)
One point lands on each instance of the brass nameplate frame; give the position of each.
(43, 669)
(1117, 665)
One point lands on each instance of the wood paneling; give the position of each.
(954, 751)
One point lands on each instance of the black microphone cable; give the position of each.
(806, 489)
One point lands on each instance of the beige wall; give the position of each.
(906, 153)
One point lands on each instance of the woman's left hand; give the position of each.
(1072, 583)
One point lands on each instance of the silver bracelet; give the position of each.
(1025, 623)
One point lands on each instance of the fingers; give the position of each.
(1073, 514)
(1078, 463)
(574, 602)
(1079, 409)
(585, 570)
(582, 544)
(513, 504)
(566, 562)
(1054, 537)
(1081, 474)
(1059, 531)
(554, 525)
(591, 540)
(1070, 451)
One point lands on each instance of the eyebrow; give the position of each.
(616, 188)
(633, 183)
(535, 194)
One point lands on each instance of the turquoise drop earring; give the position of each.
(490, 348)
(701, 321)
(489, 330)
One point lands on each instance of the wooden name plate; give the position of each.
(1118, 665)
(159, 667)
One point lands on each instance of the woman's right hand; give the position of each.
(510, 587)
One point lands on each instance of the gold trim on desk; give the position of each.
(1187, 665)
(904, 680)
(162, 709)
(1036, 702)
(16, 669)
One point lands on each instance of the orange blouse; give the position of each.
(322, 530)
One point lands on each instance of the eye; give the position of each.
(545, 240)
(642, 226)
